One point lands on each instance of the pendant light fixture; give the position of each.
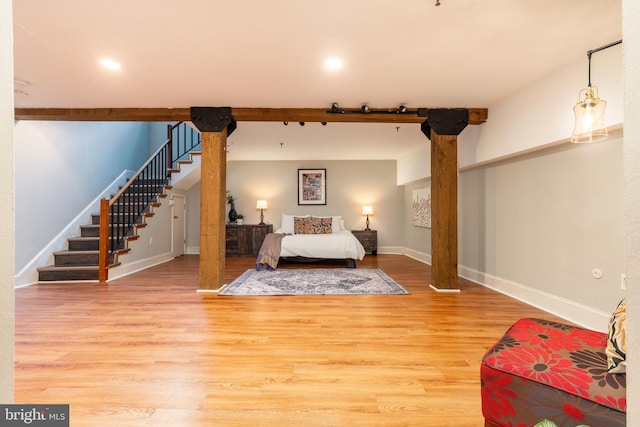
(590, 125)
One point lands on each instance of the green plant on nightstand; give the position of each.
(233, 215)
(239, 219)
(230, 199)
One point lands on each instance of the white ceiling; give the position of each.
(256, 53)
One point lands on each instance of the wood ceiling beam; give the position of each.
(476, 115)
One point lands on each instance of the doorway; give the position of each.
(178, 224)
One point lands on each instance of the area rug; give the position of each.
(318, 281)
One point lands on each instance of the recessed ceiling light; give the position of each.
(109, 63)
(333, 63)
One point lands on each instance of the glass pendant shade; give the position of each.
(589, 112)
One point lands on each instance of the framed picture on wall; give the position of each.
(421, 207)
(312, 186)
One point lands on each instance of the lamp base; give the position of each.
(367, 228)
(261, 217)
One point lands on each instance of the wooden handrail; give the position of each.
(103, 266)
(170, 141)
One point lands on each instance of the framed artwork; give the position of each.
(312, 186)
(421, 207)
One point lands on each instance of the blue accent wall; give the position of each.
(61, 167)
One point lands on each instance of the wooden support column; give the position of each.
(212, 210)
(215, 125)
(442, 128)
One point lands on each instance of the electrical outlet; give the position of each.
(150, 241)
(623, 282)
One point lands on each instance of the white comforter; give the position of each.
(340, 245)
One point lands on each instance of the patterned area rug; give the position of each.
(319, 281)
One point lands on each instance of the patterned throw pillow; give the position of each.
(617, 340)
(321, 225)
(312, 225)
(301, 225)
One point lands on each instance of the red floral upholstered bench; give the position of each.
(547, 370)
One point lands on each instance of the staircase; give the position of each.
(130, 209)
(81, 260)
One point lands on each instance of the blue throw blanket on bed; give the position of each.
(269, 254)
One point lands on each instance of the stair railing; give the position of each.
(120, 214)
(182, 139)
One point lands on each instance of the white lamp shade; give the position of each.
(367, 210)
(261, 204)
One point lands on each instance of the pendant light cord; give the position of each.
(598, 49)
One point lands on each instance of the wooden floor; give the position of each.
(147, 350)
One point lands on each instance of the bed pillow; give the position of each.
(337, 224)
(321, 225)
(312, 225)
(301, 224)
(617, 340)
(287, 225)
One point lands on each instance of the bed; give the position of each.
(309, 238)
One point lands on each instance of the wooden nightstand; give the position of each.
(245, 239)
(369, 240)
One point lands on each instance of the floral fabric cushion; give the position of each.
(287, 225)
(617, 340)
(547, 370)
(312, 225)
(301, 225)
(321, 225)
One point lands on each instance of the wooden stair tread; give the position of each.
(88, 252)
(74, 267)
(68, 252)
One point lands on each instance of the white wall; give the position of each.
(157, 135)
(7, 205)
(541, 114)
(61, 167)
(153, 245)
(350, 185)
(415, 165)
(536, 226)
(631, 34)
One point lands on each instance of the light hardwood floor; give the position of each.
(147, 350)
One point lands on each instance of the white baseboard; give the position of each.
(445, 291)
(193, 250)
(390, 250)
(580, 314)
(126, 269)
(420, 256)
